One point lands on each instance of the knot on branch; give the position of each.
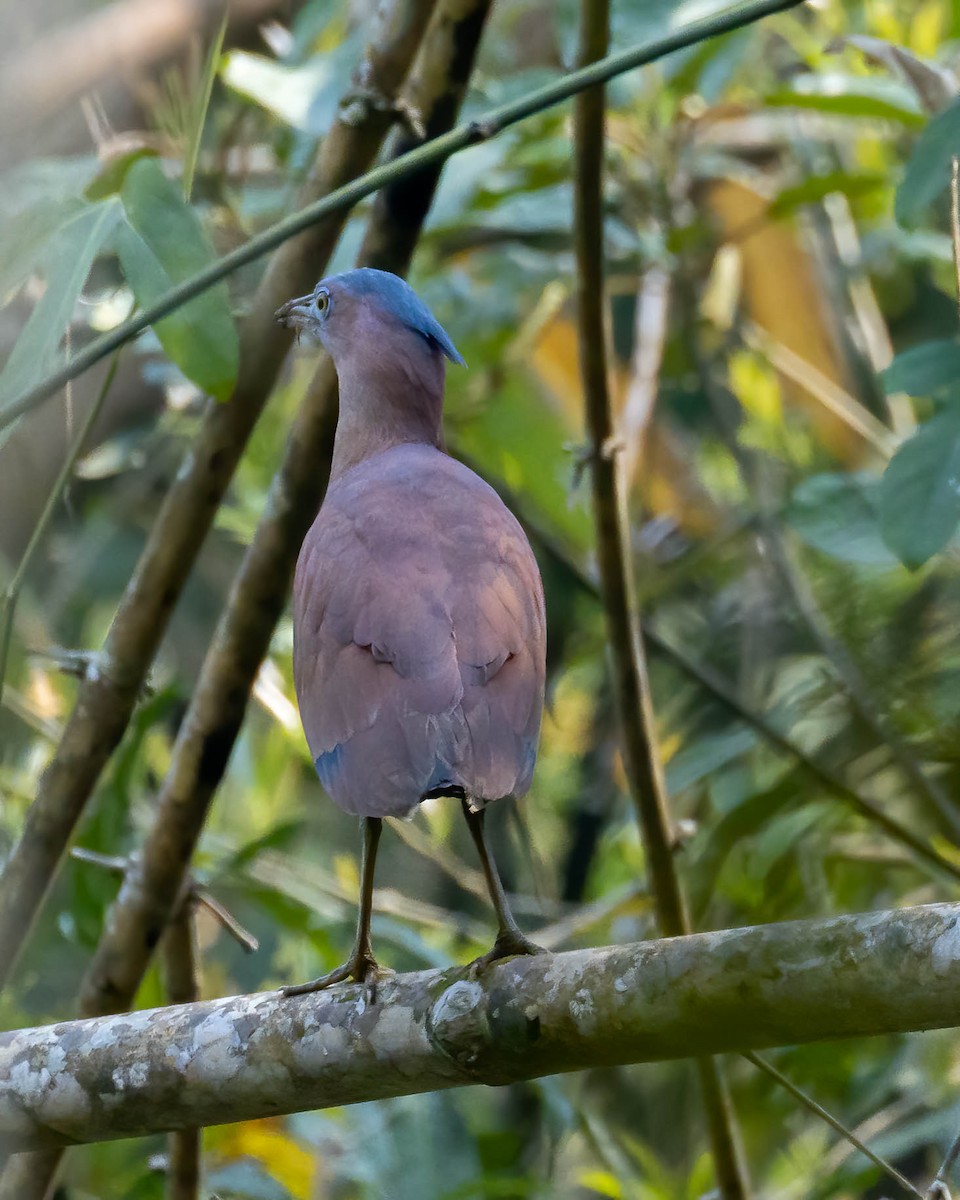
(360, 101)
(457, 1025)
(591, 453)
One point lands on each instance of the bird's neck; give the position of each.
(384, 405)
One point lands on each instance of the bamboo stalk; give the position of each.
(631, 686)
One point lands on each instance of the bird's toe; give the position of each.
(361, 967)
(510, 943)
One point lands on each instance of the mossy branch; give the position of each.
(255, 1056)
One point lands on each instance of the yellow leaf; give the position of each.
(268, 1143)
(755, 386)
(345, 869)
(927, 34)
(782, 293)
(602, 1182)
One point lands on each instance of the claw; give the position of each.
(363, 968)
(510, 943)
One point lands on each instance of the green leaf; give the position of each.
(25, 235)
(927, 172)
(816, 187)
(924, 370)
(706, 755)
(852, 98)
(67, 259)
(839, 514)
(920, 491)
(162, 245)
(110, 180)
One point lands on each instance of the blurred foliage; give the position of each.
(778, 206)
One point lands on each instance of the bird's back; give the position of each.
(419, 636)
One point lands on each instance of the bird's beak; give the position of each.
(296, 314)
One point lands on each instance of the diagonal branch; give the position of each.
(107, 695)
(253, 1056)
(432, 153)
(212, 722)
(631, 686)
(258, 596)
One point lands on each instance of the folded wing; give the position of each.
(419, 637)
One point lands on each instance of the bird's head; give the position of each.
(365, 308)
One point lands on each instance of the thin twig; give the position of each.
(200, 115)
(243, 937)
(12, 593)
(466, 877)
(836, 399)
(856, 687)
(821, 1112)
(939, 1189)
(433, 153)
(650, 336)
(723, 693)
(631, 685)
(196, 893)
(106, 697)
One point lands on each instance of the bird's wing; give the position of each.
(500, 632)
(418, 647)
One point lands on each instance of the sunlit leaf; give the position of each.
(281, 1157)
(160, 245)
(816, 187)
(305, 96)
(852, 96)
(920, 493)
(603, 1183)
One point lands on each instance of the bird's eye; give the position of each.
(323, 303)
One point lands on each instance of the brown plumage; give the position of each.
(419, 630)
(419, 637)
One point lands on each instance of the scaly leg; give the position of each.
(361, 965)
(510, 939)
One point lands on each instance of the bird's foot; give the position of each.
(361, 967)
(510, 943)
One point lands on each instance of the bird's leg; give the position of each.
(361, 964)
(510, 939)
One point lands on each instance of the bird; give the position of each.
(418, 610)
